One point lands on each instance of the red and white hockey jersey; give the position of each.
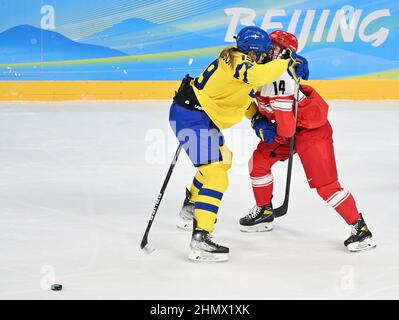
(276, 102)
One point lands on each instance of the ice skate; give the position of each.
(361, 237)
(186, 213)
(203, 249)
(259, 219)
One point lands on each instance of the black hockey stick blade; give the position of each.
(145, 246)
(282, 210)
(144, 242)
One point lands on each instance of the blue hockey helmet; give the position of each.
(253, 39)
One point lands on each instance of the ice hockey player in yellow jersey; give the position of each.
(219, 98)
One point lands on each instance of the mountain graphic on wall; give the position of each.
(138, 36)
(25, 43)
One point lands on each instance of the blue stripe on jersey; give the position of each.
(211, 193)
(197, 184)
(207, 207)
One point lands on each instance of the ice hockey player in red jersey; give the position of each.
(313, 144)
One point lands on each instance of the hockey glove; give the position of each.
(264, 129)
(298, 66)
(302, 71)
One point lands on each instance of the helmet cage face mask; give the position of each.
(265, 57)
(278, 52)
(282, 43)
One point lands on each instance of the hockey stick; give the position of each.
(282, 210)
(144, 242)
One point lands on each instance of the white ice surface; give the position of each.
(78, 183)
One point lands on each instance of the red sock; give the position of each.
(341, 200)
(261, 177)
(263, 189)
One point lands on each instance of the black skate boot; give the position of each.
(361, 237)
(186, 213)
(259, 219)
(204, 249)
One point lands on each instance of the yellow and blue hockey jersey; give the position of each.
(227, 87)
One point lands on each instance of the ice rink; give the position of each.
(78, 182)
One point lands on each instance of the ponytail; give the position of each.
(227, 55)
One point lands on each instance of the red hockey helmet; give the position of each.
(284, 39)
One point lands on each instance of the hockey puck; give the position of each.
(56, 287)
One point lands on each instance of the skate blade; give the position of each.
(261, 227)
(366, 244)
(204, 256)
(184, 224)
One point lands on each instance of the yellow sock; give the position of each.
(207, 203)
(196, 185)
